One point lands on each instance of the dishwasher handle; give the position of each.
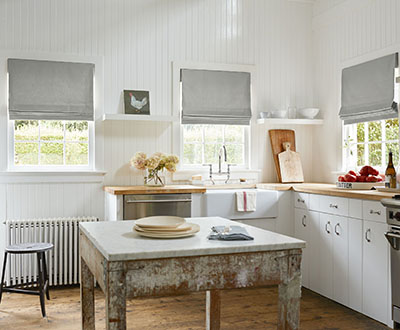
(186, 200)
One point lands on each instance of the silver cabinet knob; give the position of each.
(374, 212)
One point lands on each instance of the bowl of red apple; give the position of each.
(367, 178)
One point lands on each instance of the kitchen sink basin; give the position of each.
(222, 202)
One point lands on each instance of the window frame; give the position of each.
(48, 168)
(246, 144)
(177, 129)
(366, 143)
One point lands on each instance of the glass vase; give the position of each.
(153, 179)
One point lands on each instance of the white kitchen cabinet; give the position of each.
(314, 202)
(307, 229)
(374, 211)
(301, 200)
(347, 256)
(301, 230)
(355, 264)
(334, 205)
(355, 208)
(375, 271)
(340, 259)
(325, 258)
(313, 249)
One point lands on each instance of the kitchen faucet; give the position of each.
(221, 150)
(221, 153)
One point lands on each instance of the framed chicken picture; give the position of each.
(137, 102)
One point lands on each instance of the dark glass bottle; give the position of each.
(390, 173)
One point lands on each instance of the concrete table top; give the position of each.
(117, 241)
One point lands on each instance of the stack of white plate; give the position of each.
(165, 227)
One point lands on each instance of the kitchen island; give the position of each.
(129, 266)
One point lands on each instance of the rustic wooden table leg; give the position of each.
(289, 293)
(116, 301)
(87, 297)
(213, 310)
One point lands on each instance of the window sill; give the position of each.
(45, 176)
(54, 172)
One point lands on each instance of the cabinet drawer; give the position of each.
(355, 208)
(374, 211)
(334, 205)
(314, 202)
(301, 200)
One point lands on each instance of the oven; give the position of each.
(393, 237)
(140, 206)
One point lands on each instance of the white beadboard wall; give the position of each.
(345, 33)
(138, 41)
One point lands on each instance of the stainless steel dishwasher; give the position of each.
(139, 206)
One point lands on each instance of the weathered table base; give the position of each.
(121, 280)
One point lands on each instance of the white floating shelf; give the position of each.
(285, 121)
(169, 119)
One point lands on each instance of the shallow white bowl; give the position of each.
(264, 114)
(309, 113)
(279, 114)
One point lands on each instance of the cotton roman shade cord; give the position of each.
(368, 91)
(215, 97)
(50, 90)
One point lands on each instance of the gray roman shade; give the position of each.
(50, 90)
(215, 97)
(368, 91)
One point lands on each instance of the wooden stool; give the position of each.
(43, 278)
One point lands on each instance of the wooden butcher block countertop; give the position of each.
(327, 189)
(139, 190)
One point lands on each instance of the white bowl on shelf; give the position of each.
(264, 114)
(309, 113)
(279, 114)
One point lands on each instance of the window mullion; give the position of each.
(203, 145)
(39, 147)
(64, 143)
(366, 144)
(383, 144)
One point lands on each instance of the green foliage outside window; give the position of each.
(201, 143)
(49, 142)
(374, 140)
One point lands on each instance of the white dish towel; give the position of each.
(246, 201)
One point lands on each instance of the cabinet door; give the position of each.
(340, 237)
(355, 264)
(375, 271)
(325, 259)
(313, 250)
(301, 232)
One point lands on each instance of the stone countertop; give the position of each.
(139, 190)
(117, 241)
(327, 189)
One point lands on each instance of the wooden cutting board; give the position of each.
(277, 138)
(290, 164)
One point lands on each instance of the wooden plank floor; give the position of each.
(241, 309)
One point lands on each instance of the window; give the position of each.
(51, 143)
(201, 144)
(370, 143)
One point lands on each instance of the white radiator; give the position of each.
(62, 261)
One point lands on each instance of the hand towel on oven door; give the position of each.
(246, 200)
